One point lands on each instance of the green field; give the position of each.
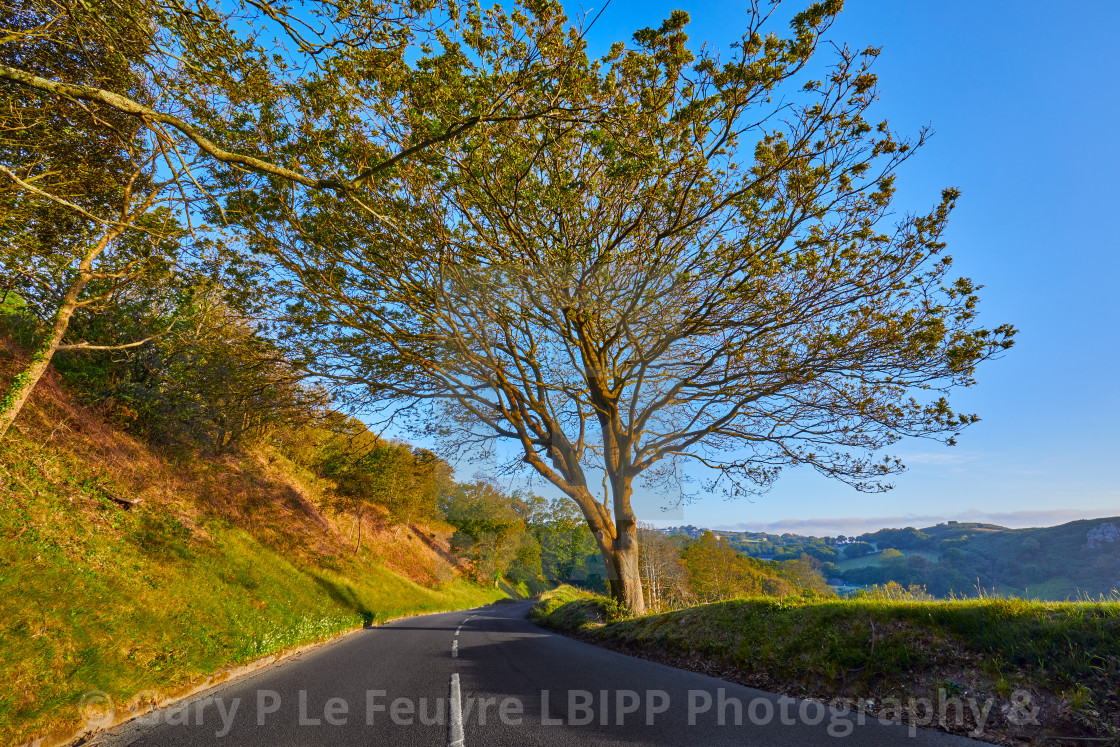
(876, 559)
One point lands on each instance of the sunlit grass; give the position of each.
(93, 597)
(868, 647)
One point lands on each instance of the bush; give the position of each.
(858, 549)
(568, 608)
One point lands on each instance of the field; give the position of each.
(876, 559)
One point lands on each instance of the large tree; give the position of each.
(110, 109)
(707, 273)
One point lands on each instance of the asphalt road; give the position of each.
(490, 677)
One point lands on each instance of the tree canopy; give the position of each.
(125, 125)
(705, 272)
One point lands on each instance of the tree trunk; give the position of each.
(618, 544)
(24, 383)
(358, 547)
(626, 587)
(626, 580)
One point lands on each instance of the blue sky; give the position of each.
(1024, 99)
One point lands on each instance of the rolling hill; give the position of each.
(1074, 560)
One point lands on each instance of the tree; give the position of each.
(900, 539)
(341, 459)
(564, 539)
(488, 527)
(84, 211)
(805, 574)
(409, 483)
(432, 477)
(919, 562)
(216, 382)
(111, 108)
(526, 567)
(858, 549)
(406, 481)
(703, 273)
(664, 575)
(891, 557)
(716, 572)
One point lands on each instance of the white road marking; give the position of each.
(455, 725)
(455, 649)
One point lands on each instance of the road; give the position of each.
(490, 677)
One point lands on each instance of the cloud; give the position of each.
(854, 525)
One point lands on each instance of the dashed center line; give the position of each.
(455, 723)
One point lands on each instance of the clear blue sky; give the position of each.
(1024, 99)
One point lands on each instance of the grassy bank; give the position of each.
(222, 561)
(1066, 655)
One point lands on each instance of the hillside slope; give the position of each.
(1075, 560)
(130, 573)
(1069, 560)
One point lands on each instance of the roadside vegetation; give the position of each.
(886, 648)
(130, 570)
(143, 553)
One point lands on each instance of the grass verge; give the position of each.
(882, 655)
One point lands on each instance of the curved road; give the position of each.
(489, 677)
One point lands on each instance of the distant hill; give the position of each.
(1081, 558)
